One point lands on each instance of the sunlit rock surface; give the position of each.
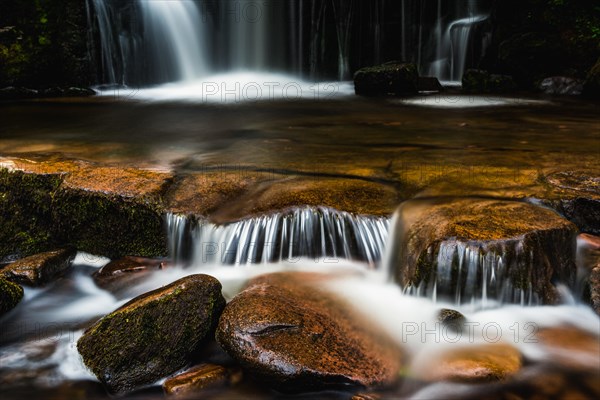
(297, 337)
(153, 335)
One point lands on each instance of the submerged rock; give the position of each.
(470, 248)
(202, 377)
(393, 78)
(472, 364)
(296, 337)
(118, 275)
(39, 269)
(154, 334)
(570, 347)
(10, 295)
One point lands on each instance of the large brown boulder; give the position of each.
(297, 337)
(39, 269)
(473, 248)
(153, 335)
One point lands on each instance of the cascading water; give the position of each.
(322, 234)
(149, 42)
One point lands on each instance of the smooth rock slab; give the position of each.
(153, 335)
(10, 295)
(296, 337)
(485, 249)
(39, 269)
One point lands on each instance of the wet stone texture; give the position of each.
(453, 246)
(153, 335)
(295, 337)
(119, 275)
(201, 378)
(39, 269)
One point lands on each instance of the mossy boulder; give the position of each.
(393, 78)
(109, 211)
(39, 269)
(591, 87)
(294, 336)
(153, 335)
(10, 295)
(26, 213)
(462, 249)
(479, 81)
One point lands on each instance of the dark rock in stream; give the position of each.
(392, 78)
(202, 377)
(451, 319)
(485, 249)
(478, 81)
(296, 337)
(39, 269)
(153, 335)
(10, 295)
(126, 272)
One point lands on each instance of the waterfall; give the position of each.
(320, 233)
(175, 31)
(452, 49)
(148, 42)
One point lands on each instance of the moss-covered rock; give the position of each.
(153, 335)
(393, 78)
(39, 269)
(26, 213)
(478, 81)
(101, 210)
(10, 295)
(296, 337)
(465, 248)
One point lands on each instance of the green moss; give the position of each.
(10, 295)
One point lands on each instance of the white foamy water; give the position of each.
(55, 318)
(443, 100)
(237, 87)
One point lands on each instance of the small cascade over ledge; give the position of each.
(319, 233)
